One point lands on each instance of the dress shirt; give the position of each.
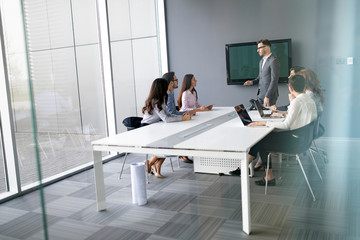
(301, 111)
(170, 105)
(160, 115)
(189, 101)
(264, 60)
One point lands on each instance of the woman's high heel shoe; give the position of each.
(154, 170)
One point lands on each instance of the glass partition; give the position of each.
(53, 66)
(135, 53)
(3, 187)
(59, 57)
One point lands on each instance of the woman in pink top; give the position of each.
(188, 99)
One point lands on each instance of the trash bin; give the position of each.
(138, 183)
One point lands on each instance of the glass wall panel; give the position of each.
(143, 18)
(63, 53)
(119, 19)
(135, 54)
(146, 68)
(3, 187)
(122, 62)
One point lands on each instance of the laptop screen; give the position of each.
(259, 107)
(243, 114)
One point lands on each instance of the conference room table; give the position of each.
(217, 134)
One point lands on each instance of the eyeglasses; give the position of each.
(260, 47)
(175, 80)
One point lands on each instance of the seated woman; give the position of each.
(155, 111)
(313, 88)
(188, 98)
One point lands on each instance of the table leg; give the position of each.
(99, 181)
(245, 194)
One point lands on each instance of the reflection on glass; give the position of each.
(66, 83)
(3, 187)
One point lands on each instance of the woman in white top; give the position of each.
(188, 98)
(155, 111)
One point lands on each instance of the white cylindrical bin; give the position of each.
(138, 183)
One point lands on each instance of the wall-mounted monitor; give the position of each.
(242, 60)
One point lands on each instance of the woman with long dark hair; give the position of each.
(155, 111)
(313, 88)
(188, 98)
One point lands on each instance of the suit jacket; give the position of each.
(268, 79)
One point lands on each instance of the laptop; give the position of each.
(261, 111)
(243, 114)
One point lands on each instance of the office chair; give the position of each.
(132, 123)
(319, 131)
(298, 141)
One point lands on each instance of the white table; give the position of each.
(217, 133)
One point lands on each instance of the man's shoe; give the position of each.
(236, 172)
(262, 182)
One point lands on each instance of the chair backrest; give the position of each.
(132, 122)
(294, 141)
(318, 128)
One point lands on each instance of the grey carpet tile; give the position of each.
(334, 199)
(68, 229)
(279, 197)
(158, 237)
(25, 225)
(169, 201)
(3, 237)
(233, 230)
(8, 214)
(30, 201)
(157, 184)
(313, 234)
(111, 233)
(65, 187)
(114, 167)
(184, 186)
(223, 190)
(124, 196)
(142, 219)
(66, 206)
(90, 215)
(87, 176)
(88, 192)
(200, 176)
(189, 226)
(281, 192)
(269, 214)
(325, 220)
(205, 206)
(113, 180)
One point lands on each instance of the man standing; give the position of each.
(170, 105)
(268, 78)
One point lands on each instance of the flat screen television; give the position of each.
(242, 60)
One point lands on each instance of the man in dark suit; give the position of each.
(268, 78)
